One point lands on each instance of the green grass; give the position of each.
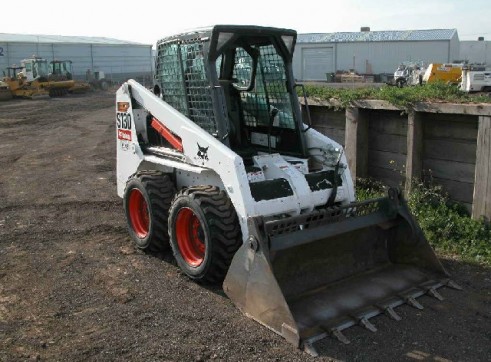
(399, 97)
(446, 224)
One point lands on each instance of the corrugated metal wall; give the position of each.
(476, 51)
(118, 62)
(375, 57)
(454, 49)
(384, 57)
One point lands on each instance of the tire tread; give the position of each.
(225, 234)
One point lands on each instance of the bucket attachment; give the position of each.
(310, 276)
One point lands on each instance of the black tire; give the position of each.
(400, 83)
(155, 191)
(216, 228)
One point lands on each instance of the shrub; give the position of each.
(446, 224)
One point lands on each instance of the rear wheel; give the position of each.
(147, 199)
(204, 232)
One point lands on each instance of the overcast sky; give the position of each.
(147, 21)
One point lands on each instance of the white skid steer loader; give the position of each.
(217, 162)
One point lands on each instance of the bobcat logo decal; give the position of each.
(202, 152)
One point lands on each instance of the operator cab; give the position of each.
(35, 68)
(236, 82)
(61, 69)
(252, 70)
(13, 72)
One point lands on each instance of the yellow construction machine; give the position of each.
(35, 71)
(62, 70)
(5, 92)
(447, 73)
(20, 87)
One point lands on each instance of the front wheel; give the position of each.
(204, 232)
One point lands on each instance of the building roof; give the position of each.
(387, 35)
(35, 38)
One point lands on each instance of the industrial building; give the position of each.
(118, 59)
(476, 51)
(371, 52)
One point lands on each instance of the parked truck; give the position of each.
(475, 80)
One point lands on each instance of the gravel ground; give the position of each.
(73, 287)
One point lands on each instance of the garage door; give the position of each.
(316, 62)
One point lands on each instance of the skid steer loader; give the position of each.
(217, 162)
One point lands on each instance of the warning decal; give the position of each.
(124, 134)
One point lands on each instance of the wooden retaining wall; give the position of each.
(449, 153)
(447, 143)
(329, 123)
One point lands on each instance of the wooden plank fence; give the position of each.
(449, 143)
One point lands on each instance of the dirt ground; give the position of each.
(73, 287)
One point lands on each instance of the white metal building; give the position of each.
(476, 51)
(118, 59)
(371, 52)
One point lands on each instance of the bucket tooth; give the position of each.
(316, 274)
(310, 349)
(433, 292)
(340, 336)
(368, 325)
(453, 285)
(414, 303)
(392, 314)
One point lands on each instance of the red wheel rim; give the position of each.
(190, 237)
(138, 211)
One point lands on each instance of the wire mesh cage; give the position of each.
(182, 75)
(269, 91)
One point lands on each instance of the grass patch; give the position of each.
(446, 224)
(399, 97)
